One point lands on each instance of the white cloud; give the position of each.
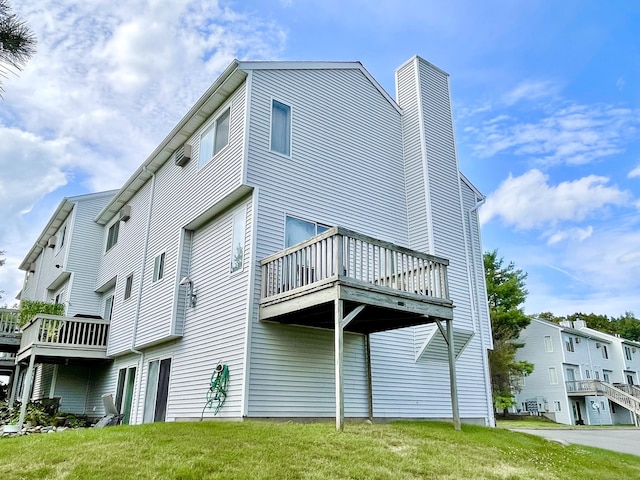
(528, 201)
(530, 90)
(635, 173)
(572, 135)
(578, 234)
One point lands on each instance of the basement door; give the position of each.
(155, 404)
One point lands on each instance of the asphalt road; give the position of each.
(623, 440)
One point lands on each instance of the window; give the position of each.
(58, 298)
(297, 230)
(128, 287)
(558, 406)
(569, 344)
(605, 353)
(112, 235)
(61, 235)
(553, 376)
(548, 346)
(237, 240)
(124, 391)
(280, 128)
(214, 138)
(587, 374)
(155, 404)
(606, 377)
(627, 353)
(597, 374)
(158, 267)
(108, 307)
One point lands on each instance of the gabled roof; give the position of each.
(56, 221)
(574, 331)
(216, 94)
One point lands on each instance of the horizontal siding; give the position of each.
(72, 385)
(214, 331)
(346, 168)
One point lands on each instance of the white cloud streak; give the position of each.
(529, 201)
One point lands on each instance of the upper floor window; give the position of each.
(112, 235)
(128, 286)
(553, 376)
(280, 128)
(158, 267)
(548, 346)
(237, 241)
(108, 307)
(297, 230)
(214, 138)
(569, 344)
(627, 353)
(605, 352)
(61, 236)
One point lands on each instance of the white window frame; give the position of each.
(128, 287)
(627, 354)
(569, 344)
(605, 352)
(316, 225)
(557, 405)
(158, 266)
(290, 128)
(212, 128)
(115, 225)
(553, 376)
(548, 343)
(62, 233)
(108, 306)
(238, 239)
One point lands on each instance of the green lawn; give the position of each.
(264, 450)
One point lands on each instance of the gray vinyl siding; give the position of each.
(214, 331)
(101, 381)
(346, 168)
(84, 243)
(72, 385)
(42, 381)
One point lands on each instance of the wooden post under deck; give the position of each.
(26, 390)
(367, 340)
(14, 386)
(452, 376)
(339, 312)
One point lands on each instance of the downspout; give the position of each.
(134, 333)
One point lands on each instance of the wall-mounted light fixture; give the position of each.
(191, 296)
(58, 266)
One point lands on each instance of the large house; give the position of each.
(582, 376)
(299, 226)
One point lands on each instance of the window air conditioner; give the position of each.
(32, 267)
(52, 242)
(125, 213)
(182, 155)
(577, 339)
(598, 345)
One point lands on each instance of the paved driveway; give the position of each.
(624, 440)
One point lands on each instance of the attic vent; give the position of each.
(52, 242)
(125, 213)
(182, 155)
(32, 267)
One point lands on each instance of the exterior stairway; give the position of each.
(627, 396)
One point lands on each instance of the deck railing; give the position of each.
(339, 252)
(9, 321)
(614, 393)
(65, 331)
(628, 388)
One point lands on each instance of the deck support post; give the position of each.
(452, 376)
(367, 341)
(26, 390)
(15, 379)
(339, 348)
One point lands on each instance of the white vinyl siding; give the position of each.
(548, 344)
(553, 376)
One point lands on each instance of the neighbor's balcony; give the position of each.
(399, 287)
(53, 336)
(9, 330)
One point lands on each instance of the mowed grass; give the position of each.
(267, 450)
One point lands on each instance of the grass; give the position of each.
(265, 450)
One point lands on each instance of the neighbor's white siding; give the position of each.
(345, 169)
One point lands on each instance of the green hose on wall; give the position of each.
(217, 393)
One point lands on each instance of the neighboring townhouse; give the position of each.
(311, 233)
(581, 376)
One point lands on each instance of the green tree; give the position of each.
(17, 42)
(506, 292)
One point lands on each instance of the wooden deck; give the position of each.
(56, 339)
(397, 287)
(9, 330)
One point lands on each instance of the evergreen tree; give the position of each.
(17, 42)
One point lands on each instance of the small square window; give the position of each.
(128, 286)
(158, 267)
(112, 235)
(214, 138)
(280, 128)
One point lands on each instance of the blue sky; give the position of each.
(545, 99)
